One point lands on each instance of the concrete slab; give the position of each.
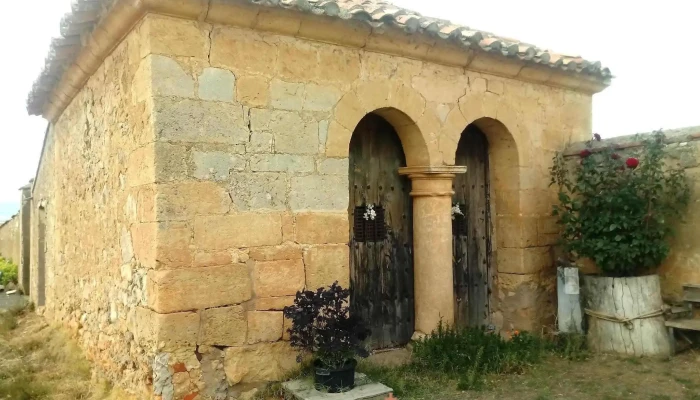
(303, 389)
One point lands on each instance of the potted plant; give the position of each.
(323, 328)
(618, 211)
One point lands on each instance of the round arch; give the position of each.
(401, 106)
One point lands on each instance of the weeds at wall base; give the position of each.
(465, 358)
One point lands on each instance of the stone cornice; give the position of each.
(50, 100)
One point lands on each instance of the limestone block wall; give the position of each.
(683, 264)
(10, 239)
(250, 184)
(88, 260)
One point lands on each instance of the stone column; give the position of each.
(432, 244)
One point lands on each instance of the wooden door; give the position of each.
(381, 248)
(471, 231)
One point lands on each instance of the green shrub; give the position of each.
(467, 356)
(619, 211)
(472, 353)
(9, 272)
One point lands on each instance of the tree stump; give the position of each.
(625, 315)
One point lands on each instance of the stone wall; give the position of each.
(200, 178)
(10, 239)
(88, 262)
(251, 184)
(683, 264)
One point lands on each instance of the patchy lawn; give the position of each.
(599, 377)
(40, 362)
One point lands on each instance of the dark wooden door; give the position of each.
(471, 231)
(381, 248)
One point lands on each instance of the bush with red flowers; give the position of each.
(619, 211)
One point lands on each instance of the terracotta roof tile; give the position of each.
(85, 14)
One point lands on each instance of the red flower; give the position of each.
(585, 153)
(615, 156)
(632, 162)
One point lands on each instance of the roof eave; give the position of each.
(407, 37)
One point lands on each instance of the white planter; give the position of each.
(625, 315)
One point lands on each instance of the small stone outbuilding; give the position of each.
(205, 160)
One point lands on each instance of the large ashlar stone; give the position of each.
(287, 251)
(225, 326)
(273, 303)
(292, 134)
(182, 201)
(216, 165)
(327, 264)
(281, 163)
(338, 141)
(440, 87)
(216, 84)
(169, 78)
(297, 61)
(320, 98)
(195, 289)
(173, 330)
(170, 162)
(261, 142)
(141, 166)
(295, 138)
(322, 228)
(264, 326)
(524, 261)
(516, 232)
(524, 302)
(334, 166)
(259, 191)
(286, 95)
(322, 135)
(212, 258)
(175, 37)
(319, 192)
(262, 362)
(187, 120)
(144, 241)
(349, 111)
(230, 46)
(253, 91)
(338, 65)
(278, 278)
(235, 231)
(173, 245)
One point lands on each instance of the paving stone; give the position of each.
(303, 389)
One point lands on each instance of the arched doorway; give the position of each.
(381, 246)
(471, 230)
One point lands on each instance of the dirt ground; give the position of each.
(40, 362)
(601, 377)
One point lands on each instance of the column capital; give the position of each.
(432, 181)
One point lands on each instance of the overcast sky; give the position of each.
(649, 46)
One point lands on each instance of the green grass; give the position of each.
(463, 359)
